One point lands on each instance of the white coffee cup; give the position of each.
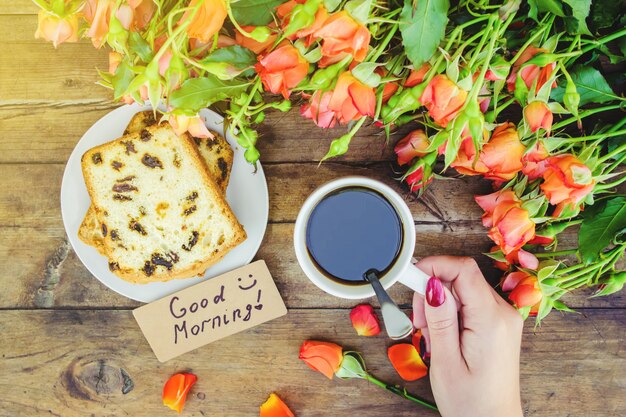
(402, 271)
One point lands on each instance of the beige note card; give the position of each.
(211, 310)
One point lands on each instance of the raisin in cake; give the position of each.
(161, 214)
(215, 151)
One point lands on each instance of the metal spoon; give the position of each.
(397, 324)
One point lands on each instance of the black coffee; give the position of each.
(351, 231)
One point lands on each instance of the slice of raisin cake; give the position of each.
(215, 151)
(162, 215)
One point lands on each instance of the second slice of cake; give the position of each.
(162, 215)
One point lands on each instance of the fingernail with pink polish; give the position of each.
(435, 295)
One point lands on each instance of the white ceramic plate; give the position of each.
(247, 195)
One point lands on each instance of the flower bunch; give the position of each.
(507, 90)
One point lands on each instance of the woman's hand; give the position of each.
(474, 339)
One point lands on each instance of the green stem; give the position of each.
(613, 153)
(401, 392)
(593, 137)
(595, 43)
(381, 48)
(528, 42)
(585, 114)
(555, 253)
(608, 186)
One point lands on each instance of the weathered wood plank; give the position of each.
(30, 194)
(70, 363)
(37, 73)
(37, 130)
(17, 7)
(43, 272)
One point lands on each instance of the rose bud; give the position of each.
(411, 146)
(323, 357)
(538, 115)
(274, 407)
(407, 362)
(526, 292)
(55, 29)
(364, 320)
(176, 389)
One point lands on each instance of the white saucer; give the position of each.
(247, 195)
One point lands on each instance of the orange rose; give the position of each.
(530, 73)
(351, 99)
(255, 46)
(525, 289)
(538, 115)
(364, 320)
(282, 69)
(317, 110)
(207, 21)
(100, 22)
(284, 14)
(466, 162)
(176, 389)
(512, 228)
(55, 29)
(411, 146)
(342, 35)
(567, 180)
(535, 161)
(443, 99)
(502, 155)
(489, 203)
(323, 357)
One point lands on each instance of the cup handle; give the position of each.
(414, 278)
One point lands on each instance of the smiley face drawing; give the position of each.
(249, 286)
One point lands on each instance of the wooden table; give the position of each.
(70, 346)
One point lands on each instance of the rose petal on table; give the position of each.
(176, 389)
(364, 320)
(274, 407)
(407, 361)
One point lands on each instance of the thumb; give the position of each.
(443, 323)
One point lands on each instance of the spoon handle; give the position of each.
(397, 324)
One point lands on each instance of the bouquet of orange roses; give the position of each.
(526, 94)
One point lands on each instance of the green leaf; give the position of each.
(423, 27)
(139, 46)
(254, 12)
(575, 24)
(331, 5)
(552, 6)
(562, 307)
(602, 222)
(197, 93)
(365, 72)
(359, 9)
(604, 14)
(121, 80)
(590, 84)
(236, 55)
